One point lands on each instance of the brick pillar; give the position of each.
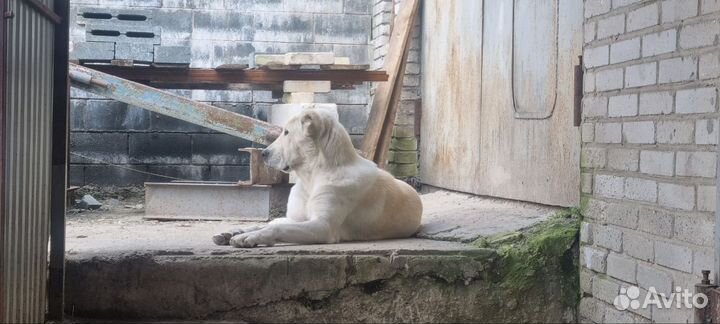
(403, 156)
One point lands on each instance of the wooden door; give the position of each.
(498, 98)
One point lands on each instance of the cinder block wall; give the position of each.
(403, 157)
(649, 137)
(217, 32)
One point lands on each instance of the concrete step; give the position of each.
(121, 267)
(214, 201)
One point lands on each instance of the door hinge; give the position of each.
(577, 102)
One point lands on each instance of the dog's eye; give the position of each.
(286, 132)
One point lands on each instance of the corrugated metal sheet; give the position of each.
(26, 209)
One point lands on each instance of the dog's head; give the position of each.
(311, 137)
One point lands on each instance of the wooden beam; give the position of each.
(381, 112)
(229, 76)
(45, 11)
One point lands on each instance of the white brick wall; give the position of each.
(649, 135)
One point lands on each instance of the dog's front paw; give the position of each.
(251, 239)
(224, 237)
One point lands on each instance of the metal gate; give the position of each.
(28, 111)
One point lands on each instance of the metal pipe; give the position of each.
(172, 105)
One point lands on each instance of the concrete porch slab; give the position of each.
(122, 267)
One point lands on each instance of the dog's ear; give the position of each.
(310, 122)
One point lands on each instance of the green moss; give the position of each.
(539, 254)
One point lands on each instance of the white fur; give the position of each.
(339, 196)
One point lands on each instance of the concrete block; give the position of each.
(699, 35)
(594, 106)
(590, 309)
(709, 6)
(672, 315)
(314, 6)
(99, 148)
(608, 133)
(306, 86)
(657, 162)
(173, 54)
(280, 114)
(703, 260)
(594, 259)
(623, 159)
(184, 172)
(222, 25)
(675, 132)
(401, 157)
(105, 175)
(229, 173)
(359, 54)
(403, 170)
(623, 3)
(695, 229)
(93, 51)
(164, 123)
(586, 278)
(709, 66)
(286, 27)
(656, 222)
(605, 289)
(622, 215)
(593, 157)
(76, 175)
(299, 97)
(673, 10)
(140, 52)
(673, 256)
(310, 58)
(706, 131)
(696, 164)
(403, 144)
(108, 115)
(595, 210)
(362, 7)
(678, 69)
(596, 7)
(608, 237)
(218, 149)
(161, 148)
(342, 29)
(659, 43)
(587, 132)
(639, 132)
(707, 198)
(676, 196)
(643, 17)
(354, 118)
(625, 50)
(610, 79)
(596, 56)
(126, 33)
(589, 31)
(77, 114)
(640, 75)
(611, 26)
(589, 82)
(586, 183)
(612, 315)
(649, 276)
(586, 233)
(621, 267)
(342, 60)
(623, 105)
(638, 247)
(641, 189)
(656, 103)
(693, 101)
(609, 186)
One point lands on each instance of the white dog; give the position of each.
(339, 196)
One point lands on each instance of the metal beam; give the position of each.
(168, 104)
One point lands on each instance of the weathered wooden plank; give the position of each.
(393, 63)
(172, 105)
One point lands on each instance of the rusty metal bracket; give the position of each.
(175, 106)
(261, 174)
